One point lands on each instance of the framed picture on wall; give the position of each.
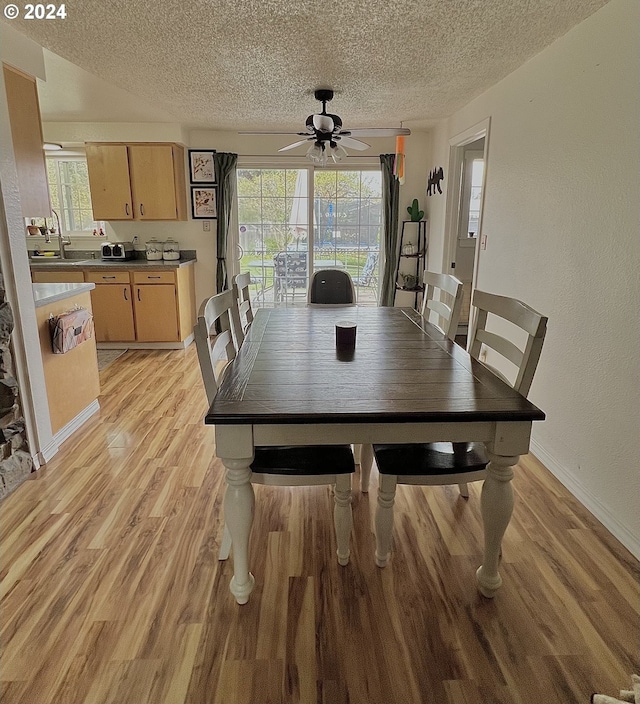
(201, 169)
(203, 202)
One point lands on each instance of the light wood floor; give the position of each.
(112, 592)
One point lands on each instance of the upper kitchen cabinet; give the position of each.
(108, 167)
(137, 181)
(26, 135)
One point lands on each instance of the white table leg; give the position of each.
(497, 506)
(225, 545)
(239, 502)
(343, 517)
(366, 460)
(384, 517)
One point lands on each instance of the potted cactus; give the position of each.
(414, 211)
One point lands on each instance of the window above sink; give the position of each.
(70, 194)
(70, 197)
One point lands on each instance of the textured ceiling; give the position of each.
(247, 64)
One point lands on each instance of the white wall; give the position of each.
(561, 215)
(21, 52)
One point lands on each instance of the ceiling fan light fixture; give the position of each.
(317, 153)
(337, 152)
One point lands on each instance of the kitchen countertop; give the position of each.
(45, 263)
(44, 294)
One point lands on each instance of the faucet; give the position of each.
(61, 240)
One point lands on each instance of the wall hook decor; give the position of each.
(435, 177)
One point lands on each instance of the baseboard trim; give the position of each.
(45, 454)
(75, 423)
(183, 344)
(587, 499)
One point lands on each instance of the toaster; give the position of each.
(117, 250)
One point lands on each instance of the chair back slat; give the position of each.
(513, 310)
(522, 316)
(440, 308)
(213, 332)
(241, 284)
(504, 347)
(448, 315)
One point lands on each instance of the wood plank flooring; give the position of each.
(112, 591)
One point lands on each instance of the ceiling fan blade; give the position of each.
(353, 143)
(301, 134)
(295, 144)
(380, 132)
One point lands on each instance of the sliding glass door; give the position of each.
(280, 249)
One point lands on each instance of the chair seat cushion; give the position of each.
(430, 458)
(304, 460)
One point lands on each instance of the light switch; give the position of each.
(483, 242)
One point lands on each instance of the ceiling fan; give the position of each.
(327, 138)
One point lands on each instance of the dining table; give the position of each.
(404, 382)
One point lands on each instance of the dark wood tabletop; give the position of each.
(403, 370)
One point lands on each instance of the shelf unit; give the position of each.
(415, 232)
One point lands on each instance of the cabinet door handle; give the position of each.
(124, 291)
(139, 294)
(141, 209)
(108, 277)
(154, 277)
(126, 208)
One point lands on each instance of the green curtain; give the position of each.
(225, 167)
(390, 208)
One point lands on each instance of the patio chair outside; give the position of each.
(290, 273)
(368, 275)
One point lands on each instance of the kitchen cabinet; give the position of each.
(135, 305)
(156, 312)
(108, 166)
(112, 306)
(144, 181)
(26, 135)
(164, 304)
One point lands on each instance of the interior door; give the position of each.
(468, 219)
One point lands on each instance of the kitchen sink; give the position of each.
(62, 262)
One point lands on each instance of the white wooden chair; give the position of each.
(447, 315)
(279, 466)
(458, 463)
(446, 319)
(331, 287)
(241, 283)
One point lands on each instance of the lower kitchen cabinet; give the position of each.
(137, 306)
(156, 313)
(112, 307)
